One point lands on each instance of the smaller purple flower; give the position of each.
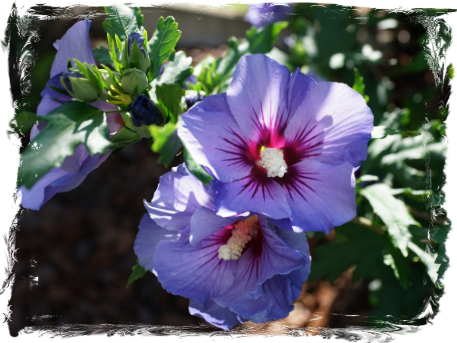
(74, 44)
(260, 15)
(232, 269)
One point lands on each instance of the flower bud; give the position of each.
(134, 81)
(79, 87)
(144, 112)
(135, 56)
(107, 78)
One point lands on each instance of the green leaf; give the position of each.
(24, 121)
(231, 58)
(162, 42)
(452, 73)
(68, 126)
(137, 272)
(359, 86)
(380, 132)
(122, 20)
(261, 40)
(103, 56)
(394, 258)
(428, 260)
(438, 48)
(353, 245)
(125, 137)
(393, 213)
(165, 141)
(177, 70)
(196, 169)
(170, 97)
(447, 237)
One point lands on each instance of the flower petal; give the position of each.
(74, 170)
(74, 44)
(194, 271)
(213, 138)
(205, 222)
(256, 192)
(333, 125)
(257, 96)
(218, 316)
(148, 237)
(177, 198)
(320, 196)
(299, 86)
(268, 257)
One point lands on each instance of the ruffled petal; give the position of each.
(60, 179)
(268, 257)
(194, 271)
(205, 222)
(218, 316)
(256, 193)
(214, 139)
(148, 237)
(320, 196)
(177, 198)
(257, 96)
(332, 125)
(74, 44)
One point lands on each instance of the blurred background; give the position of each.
(75, 255)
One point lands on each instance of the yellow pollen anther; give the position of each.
(242, 233)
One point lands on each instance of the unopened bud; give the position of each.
(134, 55)
(144, 112)
(134, 81)
(79, 87)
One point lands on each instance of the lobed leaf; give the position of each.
(162, 42)
(137, 272)
(122, 21)
(68, 126)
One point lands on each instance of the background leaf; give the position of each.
(68, 126)
(122, 20)
(165, 141)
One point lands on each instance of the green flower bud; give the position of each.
(79, 87)
(134, 81)
(107, 78)
(134, 55)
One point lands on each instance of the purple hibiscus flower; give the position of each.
(233, 269)
(74, 44)
(260, 15)
(281, 145)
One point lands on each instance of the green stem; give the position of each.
(369, 225)
(117, 111)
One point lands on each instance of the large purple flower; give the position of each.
(233, 269)
(74, 44)
(260, 15)
(281, 145)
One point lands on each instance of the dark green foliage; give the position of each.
(262, 40)
(23, 122)
(102, 55)
(165, 141)
(162, 42)
(354, 245)
(177, 69)
(398, 311)
(196, 169)
(122, 20)
(447, 237)
(137, 272)
(68, 126)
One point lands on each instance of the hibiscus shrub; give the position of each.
(280, 147)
